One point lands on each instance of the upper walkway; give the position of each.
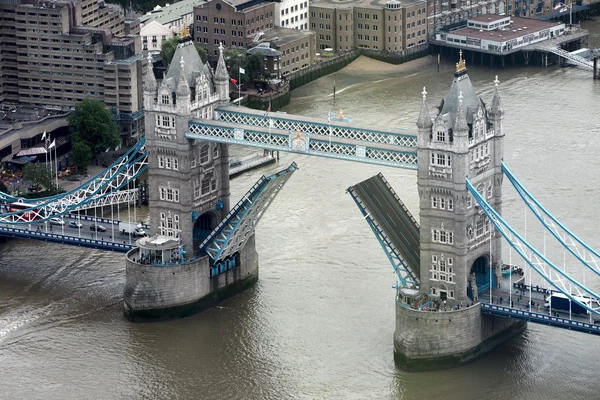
(395, 227)
(337, 127)
(296, 141)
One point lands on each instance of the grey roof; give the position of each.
(192, 66)
(170, 13)
(461, 83)
(266, 51)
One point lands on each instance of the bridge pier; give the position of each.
(425, 341)
(161, 292)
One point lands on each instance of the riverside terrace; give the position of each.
(498, 34)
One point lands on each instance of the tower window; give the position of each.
(204, 154)
(164, 99)
(441, 136)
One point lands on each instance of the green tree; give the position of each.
(38, 176)
(202, 53)
(93, 124)
(255, 65)
(82, 155)
(167, 50)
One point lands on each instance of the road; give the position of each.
(84, 231)
(394, 221)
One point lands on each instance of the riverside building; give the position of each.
(56, 53)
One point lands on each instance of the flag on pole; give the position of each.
(44, 135)
(268, 109)
(242, 70)
(234, 81)
(53, 144)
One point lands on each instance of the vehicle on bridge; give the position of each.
(97, 228)
(559, 301)
(56, 221)
(136, 230)
(75, 224)
(30, 215)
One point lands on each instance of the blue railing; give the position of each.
(539, 318)
(63, 239)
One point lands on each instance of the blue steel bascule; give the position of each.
(449, 260)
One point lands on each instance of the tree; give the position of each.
(255, 65)
(93, 124)
(202, 53)
(38, 175)
(82, 155)
(167, 50)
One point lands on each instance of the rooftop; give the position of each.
(519, 27)
(281, 36)
(376, 4)
(171, 12)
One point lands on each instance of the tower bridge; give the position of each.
(452, 299)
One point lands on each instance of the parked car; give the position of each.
(56, 221)
(75, 224)
(97, 228)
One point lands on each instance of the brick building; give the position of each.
(233, 24)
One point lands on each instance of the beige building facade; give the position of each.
(392, 26)
(55, 54)
(297, 49)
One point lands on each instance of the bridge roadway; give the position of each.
(83, 236)
(303, 143)
(537, 313)
(393, 217)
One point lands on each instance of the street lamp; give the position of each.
(564, 7)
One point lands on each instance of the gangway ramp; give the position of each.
(396, 229)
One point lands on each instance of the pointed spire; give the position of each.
(424, 120)
(221, 74)
(496, 106)
(461, 122)
(150, 82)
(183, 88)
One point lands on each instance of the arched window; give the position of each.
(204, 154)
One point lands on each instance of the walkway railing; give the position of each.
(64, 239)
(572, 58)
(539, 318)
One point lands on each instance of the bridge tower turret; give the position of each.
(189, 195)
(464, 140)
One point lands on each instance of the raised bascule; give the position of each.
(448, 263)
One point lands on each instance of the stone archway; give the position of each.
(203, 226)
(480, 276)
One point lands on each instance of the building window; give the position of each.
(215, 151)
(164, 99)
(442, 236)
(441, 136)
(205, 186)
(204, 154)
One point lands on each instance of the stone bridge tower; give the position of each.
(189, 180)
(464, 140)
(189, 196)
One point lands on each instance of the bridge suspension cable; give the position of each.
(582, 251)
(536, 260)
(112, 179)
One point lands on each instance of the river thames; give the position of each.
(319, 323)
